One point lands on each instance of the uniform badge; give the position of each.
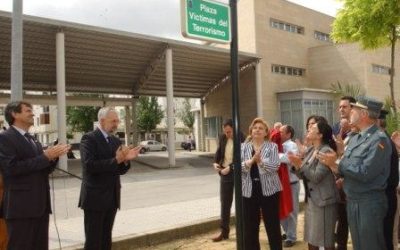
(381, 145)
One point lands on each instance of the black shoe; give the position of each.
(288, 243)
(284, 237)
(220, 237)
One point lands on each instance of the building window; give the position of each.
(286, 26)
(46, 109)
(379, 69)
(322, 36)
(287, 70)
(44, 119)
(296, 111)
(213, 126)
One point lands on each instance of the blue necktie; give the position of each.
(109, 141)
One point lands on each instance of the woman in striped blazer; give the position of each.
(260, 186)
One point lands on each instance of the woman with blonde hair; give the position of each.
(260, 187)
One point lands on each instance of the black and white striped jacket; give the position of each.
(268, 169)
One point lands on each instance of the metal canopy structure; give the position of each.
(108, 61)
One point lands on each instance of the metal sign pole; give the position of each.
(236, 127)
(16, 51)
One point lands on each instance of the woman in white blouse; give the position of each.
(260, 186)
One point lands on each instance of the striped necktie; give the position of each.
(31, 141)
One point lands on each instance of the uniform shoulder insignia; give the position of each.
(381, 133)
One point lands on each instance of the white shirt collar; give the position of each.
(20, 130)
(105, 134)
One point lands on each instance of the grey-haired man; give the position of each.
(365, 167)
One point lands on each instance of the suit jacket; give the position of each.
(320, 180)
(25, 171)
(220, 155)
(268, 169)
(101, 185)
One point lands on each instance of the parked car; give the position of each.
(152, 145)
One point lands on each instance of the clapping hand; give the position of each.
(302, 148)
(294, 159)
(339, 143)
(131, 153)
(125, 154)
(396, 140)
(329, 159)
(53, 152)
(256, 159)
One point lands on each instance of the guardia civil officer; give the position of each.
(365, 167)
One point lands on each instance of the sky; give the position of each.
(131, 15)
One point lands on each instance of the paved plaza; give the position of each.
(154, 198)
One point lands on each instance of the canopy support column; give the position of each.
(61, 100)
(259, 90)
(170, 107)
(128, 126)
(135, 133)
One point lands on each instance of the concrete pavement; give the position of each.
(153, 200)
(158, 204)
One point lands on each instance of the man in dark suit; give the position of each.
(103, 161)
(25, 168)
(223, 165)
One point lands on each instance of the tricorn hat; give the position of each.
(368, 103)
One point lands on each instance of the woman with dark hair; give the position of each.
(321, 211)
(311, 120)
(260, 187)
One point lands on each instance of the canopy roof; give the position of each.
(100, 60)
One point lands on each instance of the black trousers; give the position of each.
(342, 228)
(98, 229)
(269, 206)
(389, 218)
(26, 234)
(226, 198)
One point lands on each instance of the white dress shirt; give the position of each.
(289, 146)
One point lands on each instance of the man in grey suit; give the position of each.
(365, 167)
(103, 161)
(25, 167)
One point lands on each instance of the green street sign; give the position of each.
(206, 20)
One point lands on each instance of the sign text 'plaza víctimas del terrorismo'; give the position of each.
(205, 20)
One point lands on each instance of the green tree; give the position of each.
(346, 89)
(185, 114)
(374, 24)
(149, 113)
(392, 123)
(81, 118)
